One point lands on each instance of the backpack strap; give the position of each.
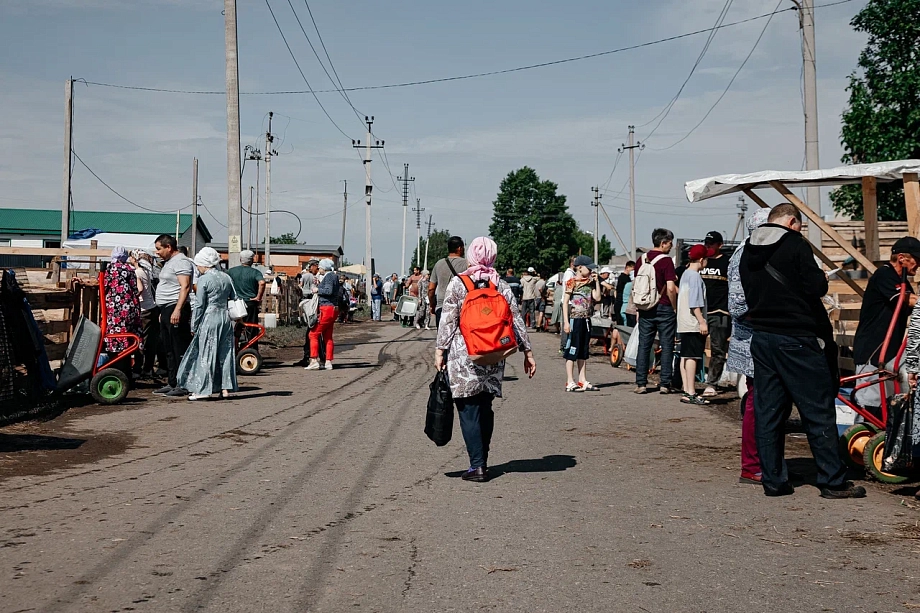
(449, 265)
(661, 255)
(467, 282)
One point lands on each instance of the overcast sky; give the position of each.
(460, 138)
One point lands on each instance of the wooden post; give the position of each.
(912, 202)
(827, 261)
(92, 261)
(870, 216)
(831, 232)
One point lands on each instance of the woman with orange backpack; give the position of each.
(481, 325)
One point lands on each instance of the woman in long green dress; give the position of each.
(209, 365)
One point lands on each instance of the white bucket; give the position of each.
(270, 320)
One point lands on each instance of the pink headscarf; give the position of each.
(481, 255)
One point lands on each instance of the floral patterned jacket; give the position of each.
(468, 379)
(739, 347)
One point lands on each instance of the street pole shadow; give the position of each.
(546, 464)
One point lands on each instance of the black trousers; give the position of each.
(794, 369)
(720, 330)
(151, 335)
(175, 338)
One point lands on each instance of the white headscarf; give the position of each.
(207, 257)
(326, 264)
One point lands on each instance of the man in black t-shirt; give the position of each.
(879, 303)
(715, 277)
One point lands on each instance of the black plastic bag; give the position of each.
(439, 421)
(899, 444)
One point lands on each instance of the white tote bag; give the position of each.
(632, 347)
(237, 309)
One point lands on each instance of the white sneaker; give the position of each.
(427, 327)
(328, 365)
(198, 397)
(314, 365)
(418, 327)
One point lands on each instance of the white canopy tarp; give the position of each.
(703, 189)
(354, 269)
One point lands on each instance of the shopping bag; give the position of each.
(439, 420)
(632, 347)
(237, 309)
(899, 444)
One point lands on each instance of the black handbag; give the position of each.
(898, 458)
(439, 420)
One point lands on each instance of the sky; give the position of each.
(460, 138)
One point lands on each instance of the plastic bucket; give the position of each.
(270, 320)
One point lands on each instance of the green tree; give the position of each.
(604, 249)
(531, 224)
(287, 238)
(882, 119)
(437, 249)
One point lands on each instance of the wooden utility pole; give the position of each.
(810, 92)
(249, 244)
(427, 243)
(418, 230)
(194, 207)
(269, 140)
(870, 217)
(596, 203)
(344, 216)
(234, 172)
(368, 190)
(65, 198)
(406, 179)
(631, 147)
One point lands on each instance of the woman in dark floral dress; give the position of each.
(122, 307)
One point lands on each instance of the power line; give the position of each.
(460, 77)
(331, 65)
(111, 189)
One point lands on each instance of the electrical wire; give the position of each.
(328, 57)
(216, 220)
(111, 189)
(615, 162)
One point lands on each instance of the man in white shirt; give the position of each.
(172, 296)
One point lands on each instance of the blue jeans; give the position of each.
(375, 307)
(792, 369)
(477, 421)
(663, 320)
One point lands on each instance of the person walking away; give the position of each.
(249, 284)
(209, 365)
(691, 322)
(376, 297)
(122, 306)
(539, 290)
(172, 296)
(309, 285)
(715, 276)
(442, 272)
(422, 314)
(739, 355)
(474, 387)
(794, 353)
(529, 297)
(619, 301)
(388, 291)
(578, 299)
(411, 288)
(660, 317)
(876, 314)
(150, 312)
(558, 298)
(329, 291)
(395, 287)
(516, 288)
(628, 311)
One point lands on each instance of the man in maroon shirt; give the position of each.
(661, 318)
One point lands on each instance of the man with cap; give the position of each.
(249, 284)
(691, 321)
(877, 311)
(529, 296)
(581, 293)
(715, 276)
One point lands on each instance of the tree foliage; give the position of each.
(287, 238)
(437, 249)
(882, 119)
(604, 250)
(531, 224)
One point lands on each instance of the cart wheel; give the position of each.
(248, 362)
(853, 443)
(872, 456)
(109, 386)
(616, 354)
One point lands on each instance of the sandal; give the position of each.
(573, 387)
(693, 399)
(587, 386)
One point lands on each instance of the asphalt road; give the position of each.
(318, 491)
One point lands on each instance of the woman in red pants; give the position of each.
(329, 291)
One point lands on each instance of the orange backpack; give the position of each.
(486, 324)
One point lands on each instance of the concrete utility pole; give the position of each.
(344, 215)
(68, 146)
(418, 229)
(368, 190)
(269, 139)
(249, 244)
(812, 194)
(406, 179)
(234, 172)
(742, 210)
(255, 155)
(631, 146)
(195, 207)
(597, 205)
(427, 242)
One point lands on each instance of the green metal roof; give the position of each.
(48, 222)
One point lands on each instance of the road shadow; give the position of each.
(10, 443)
(614, 384)
(340, 366)
(238, 396)
(804, 471)
(546, 464)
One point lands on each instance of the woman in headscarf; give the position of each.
(122, 307)
(329, 291)
(474, 387)
(739, 355)
(209, 365)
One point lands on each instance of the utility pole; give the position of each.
(249, 244)
(742, 210)
(631, 147)
(234, 172)
(807, 24)
(68, 152)
(195, 207)
(269, 153)
(418, 229)
(368, 190)
(406, 179)
(427, 242)
(597, 205)
(255, 155)
(344, 215)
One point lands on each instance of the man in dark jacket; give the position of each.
(792, 351)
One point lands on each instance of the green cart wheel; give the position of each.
(872, 456)
(109, 386)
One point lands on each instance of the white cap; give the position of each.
(531, 269)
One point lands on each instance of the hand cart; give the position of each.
(248, 358)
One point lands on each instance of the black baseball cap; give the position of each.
(908, 245)
(713, 238)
